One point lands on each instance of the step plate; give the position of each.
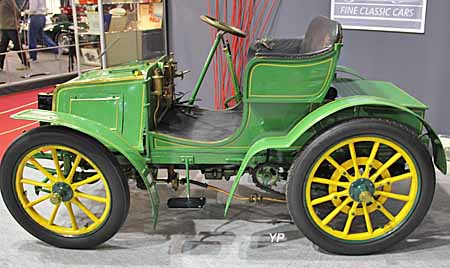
(184, 202)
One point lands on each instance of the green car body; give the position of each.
(284, 106)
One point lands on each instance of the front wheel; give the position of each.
(64, 188)
(361, 186)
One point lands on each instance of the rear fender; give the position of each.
(318, 115)
(103, 135)
(350, 71)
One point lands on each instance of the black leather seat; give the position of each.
(320, 37)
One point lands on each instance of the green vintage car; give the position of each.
(356, 155)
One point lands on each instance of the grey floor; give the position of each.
(47, 64)
(203, 238)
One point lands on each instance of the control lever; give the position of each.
(182, 73)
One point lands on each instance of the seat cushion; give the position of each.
(321, 35)
(275, 46)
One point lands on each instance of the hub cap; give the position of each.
(362, 190)
(61, 192)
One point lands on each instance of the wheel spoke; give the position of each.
(385, 166)
(367, 218)
(393, 179)
(71, 215)
(75, 164)
(42, 169)
(383, 210)
(37, 201)
(35, 183)
(53, 216)
(336, 211)
(90, 197)
(86, 181)
(339, 168)
(372, 155)
(331, 182)
(350, 217)
(59, 173)
(85, 210)
(329, 197)
(352, 149)
(400, 197)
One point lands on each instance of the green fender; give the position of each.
(348, 70)
(106, 137)
(319, 114)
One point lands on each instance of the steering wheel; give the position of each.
(223, 26)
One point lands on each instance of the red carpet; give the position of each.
(11, 104)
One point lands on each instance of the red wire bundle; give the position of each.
(253, 19)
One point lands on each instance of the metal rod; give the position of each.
(188, 185)
(77, 39)
(8, 78)
(102, 33)
(205, 67)
(237, 93)
(166, 27)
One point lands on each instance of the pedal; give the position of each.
(184, 202)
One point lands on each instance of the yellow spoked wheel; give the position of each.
(361, 186)
(64, 187)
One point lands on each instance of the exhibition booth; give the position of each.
(218, 133)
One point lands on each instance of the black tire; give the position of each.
(63, 39)
(302, 165)
(97, 153)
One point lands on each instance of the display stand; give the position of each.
(126, 31)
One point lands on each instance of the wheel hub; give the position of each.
(61, 192)
(362, 190)
(267, 175)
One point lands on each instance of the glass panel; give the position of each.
(132, 31)
(41, 44)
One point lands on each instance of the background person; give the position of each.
(38, 11)
(9, 25)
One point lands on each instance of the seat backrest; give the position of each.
(322, 34)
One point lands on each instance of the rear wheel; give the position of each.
(361, 186)
(64, 188)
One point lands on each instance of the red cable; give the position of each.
(245, 16)
(234, 40)
(226, 75)
(250, 29)
(243, 60)
(222, 78)
(211, 35)
(218, 63)
(237, 47)
(261, 15)
(268, 18)
(241, 19)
